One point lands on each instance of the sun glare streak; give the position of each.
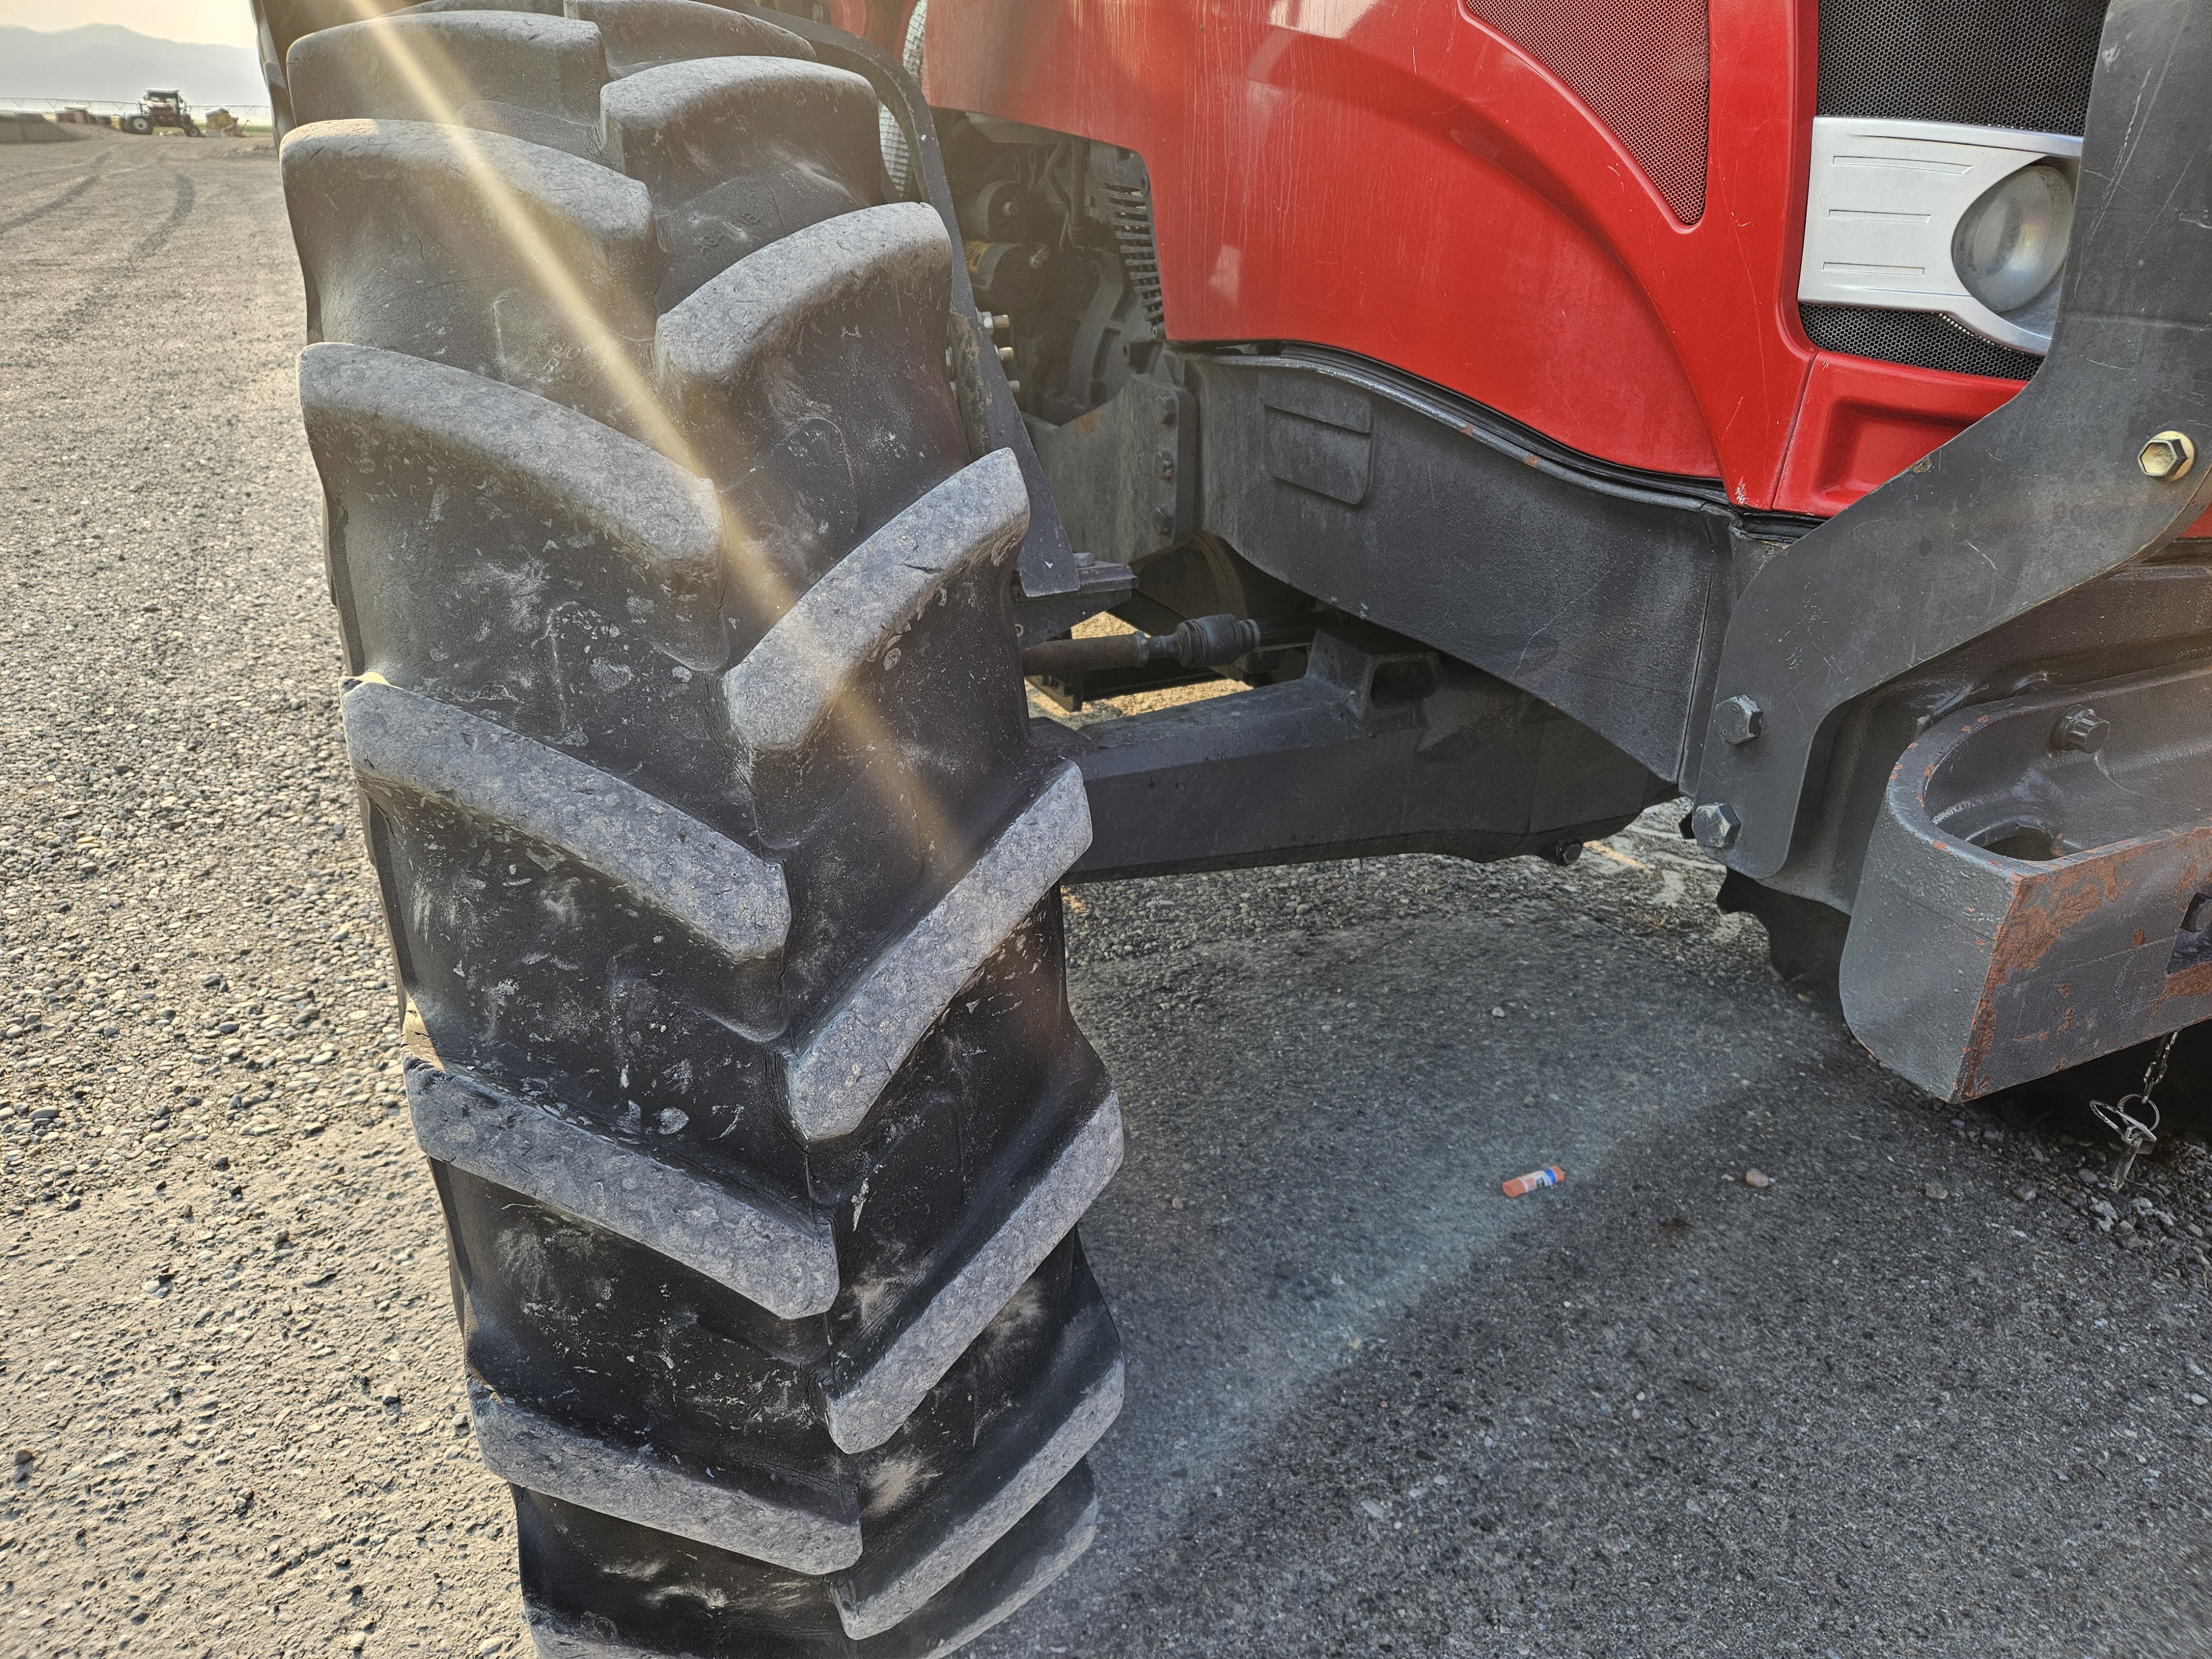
(406, 47)
(419, 57)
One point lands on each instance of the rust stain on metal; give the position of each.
(2043, 910)
(2193, 982)
(2195, 979)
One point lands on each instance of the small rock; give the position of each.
(1756, 1178)
(2199, 1399)
(1935, 1190)
(2025, 1191)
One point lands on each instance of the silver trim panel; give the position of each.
(1883, 202)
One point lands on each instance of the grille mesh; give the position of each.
(1643, 66)
(1921, 339)
(2018, 63)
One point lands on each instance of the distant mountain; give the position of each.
(105, 61)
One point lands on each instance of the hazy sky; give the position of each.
(228, 22)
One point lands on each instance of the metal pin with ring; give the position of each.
(2136, 1136)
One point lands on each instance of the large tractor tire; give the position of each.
(721, 873)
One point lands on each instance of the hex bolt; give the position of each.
(2080, 730)
(1715, 825)
(1739, 720)
(2167, 456)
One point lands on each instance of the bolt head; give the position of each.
(2167, 456)
(1715, 824)
(1739, 720)
(2080, 731)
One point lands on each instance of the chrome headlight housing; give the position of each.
(1973, 222)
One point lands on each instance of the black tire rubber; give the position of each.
(721, 873)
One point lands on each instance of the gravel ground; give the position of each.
(1909, 1395)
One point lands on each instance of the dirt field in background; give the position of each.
(1374, 1407)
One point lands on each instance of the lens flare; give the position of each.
(441, 88)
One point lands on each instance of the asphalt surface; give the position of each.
(1375, 1406)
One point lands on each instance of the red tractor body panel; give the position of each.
(1400, 180)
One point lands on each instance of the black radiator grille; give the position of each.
(2020, 63)
(1923, 339)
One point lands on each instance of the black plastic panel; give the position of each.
(1402, 505)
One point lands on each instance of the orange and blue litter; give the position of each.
(1550, 1176)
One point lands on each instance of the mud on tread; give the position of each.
(688, 720)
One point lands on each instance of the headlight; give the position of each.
(2011, 244)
